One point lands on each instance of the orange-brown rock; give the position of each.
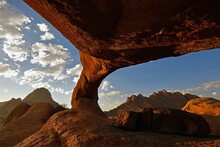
(75, 127)
(7, 107)
(30, 122)
(17, 112)
(208, 108)
(119, 33)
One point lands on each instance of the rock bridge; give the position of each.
(112, 34)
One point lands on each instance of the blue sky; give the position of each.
(34, 54)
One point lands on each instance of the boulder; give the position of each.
(179, 122)
(127, 120)
(208, 108)
(163, 120)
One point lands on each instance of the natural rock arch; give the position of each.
(118, 33)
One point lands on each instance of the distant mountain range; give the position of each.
(162, 98)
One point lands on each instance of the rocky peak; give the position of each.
(161, 98)
(134, 98)
(40, 95)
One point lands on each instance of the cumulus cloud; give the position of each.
(113, 93)
(43, 27)
(203, 87)
(12, 23)
(60, 90)
(106, 85)
(75, 72)
(216, 93)
(31, 76)
(41, 84)
(47, 36)
(49, 54)
(7, 72)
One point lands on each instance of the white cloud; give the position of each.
(60, 90)
(31, 76)
(203, 87)
(49, 54)
(12, 23)
(216, 93)
(43, 27)
(41, 84)
(7, 72)
(2, 3)
(110, 105)
(75, 72)
(113, 93)
(47, 36)
(106, 85)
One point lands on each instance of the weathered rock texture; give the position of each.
(163, 120)
(162, 99)
(77, 128)
(118, 33)
(208, 108)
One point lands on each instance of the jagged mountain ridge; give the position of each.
(162, 98)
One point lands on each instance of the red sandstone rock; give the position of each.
(119, 33)
(127, 120)
(208, 108)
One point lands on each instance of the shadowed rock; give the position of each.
(118, 33)
(162, 99)
(22, 127)
(163, 120)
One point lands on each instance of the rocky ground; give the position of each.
(88, 129)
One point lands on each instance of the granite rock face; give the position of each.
(118, 33)
(163, 120)
(163, 99)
